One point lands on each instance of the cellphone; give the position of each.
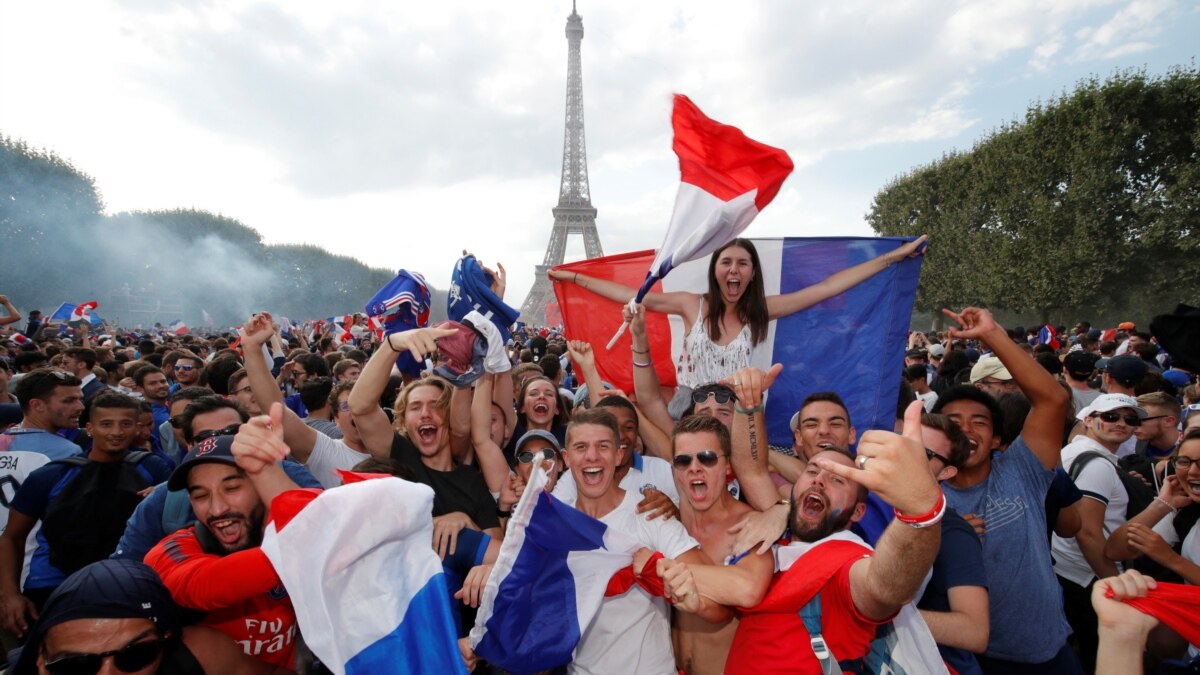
(1170, 470)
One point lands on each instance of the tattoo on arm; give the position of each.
(753, 439)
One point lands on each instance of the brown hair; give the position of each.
(442, 404)
(960, 445)
(703, 424)
(597, 416)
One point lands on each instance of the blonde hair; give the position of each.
(442, 404)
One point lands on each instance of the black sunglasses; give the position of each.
(213, 433)
(722, 395)
(528, 457)
(707, 458)
(127, 659)
(931, 454)
(1132, 419)
(176, 422)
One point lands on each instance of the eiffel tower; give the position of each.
(574, 213)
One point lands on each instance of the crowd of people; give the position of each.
(1028, 487)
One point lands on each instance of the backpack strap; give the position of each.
(73, 460)
(810, 614)
(1082, 461)
(135, 457)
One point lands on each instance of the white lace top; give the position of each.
(704, 362)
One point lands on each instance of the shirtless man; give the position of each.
(701, 450)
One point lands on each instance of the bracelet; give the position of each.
(749, 411)
(1167, 504)
(635, 350)
(388, 340)
(575, 279)
(926, 519)
(639, 364)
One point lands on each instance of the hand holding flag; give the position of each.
(726, 180)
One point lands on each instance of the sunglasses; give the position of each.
(176, 422)
(213, 433)
(127, 659)
(722, 395)
(528, 457)
(61, 374)
(707, 458)
(187, 368)
(929, 454)
(1132, 419)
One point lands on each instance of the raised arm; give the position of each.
(840, 282)
(646, 387)
(1044, 424)
(13, 315)
(373, 424)
(489, 455)
(258, 448)
(679, 302)
(300, 437)
(897, 470)
(585, 362)
(749, 435)
(460, 422)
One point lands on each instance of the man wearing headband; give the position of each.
(118, 611)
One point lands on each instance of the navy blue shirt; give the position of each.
(959, 562)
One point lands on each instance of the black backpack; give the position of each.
(87, 518)
(1140, 494)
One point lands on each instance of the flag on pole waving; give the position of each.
(726, 180)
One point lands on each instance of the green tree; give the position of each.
(1087, 205)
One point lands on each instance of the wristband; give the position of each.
(635, 350)
(933, 517)
(1166, 504)
(749, 411)
(639, 364)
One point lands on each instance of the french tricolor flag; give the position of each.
(726, 179)
(547, 583)
(69, 312)
(852, 343)
(178, 327)
(369, 591)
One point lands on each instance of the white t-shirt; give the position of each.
(646, 472)
(329, 455)
(631, 634)
(1098, 480)
(928, 399)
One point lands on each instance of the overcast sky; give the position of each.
(400, 133)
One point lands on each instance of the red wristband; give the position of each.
(934, 515)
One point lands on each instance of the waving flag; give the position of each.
(402, 304)
(178, 327)
(68, 312)
(547, 584)
(369, 592)
(726, 180)
(852, 343)
(1048, 336)
(471, 290)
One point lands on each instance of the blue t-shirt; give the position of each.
(1028, 625)
(40, 490)
(163, 512)
(959, 562)
(294, 404)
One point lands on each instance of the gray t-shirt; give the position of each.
(1027, 618)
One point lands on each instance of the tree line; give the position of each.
(1087, 207)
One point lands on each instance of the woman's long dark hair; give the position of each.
(751, 307)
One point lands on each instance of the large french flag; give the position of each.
(547, 583)
(852, 343)
(369, 591)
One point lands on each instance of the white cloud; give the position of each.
(399, 133)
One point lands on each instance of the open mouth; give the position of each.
(592, 475)
(228, 531)
(812, 506)
(733, 286)
(541, 408)
(1194, 486)
(427, 432)
(698, 489)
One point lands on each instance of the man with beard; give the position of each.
(854, 588)
(216, 566)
